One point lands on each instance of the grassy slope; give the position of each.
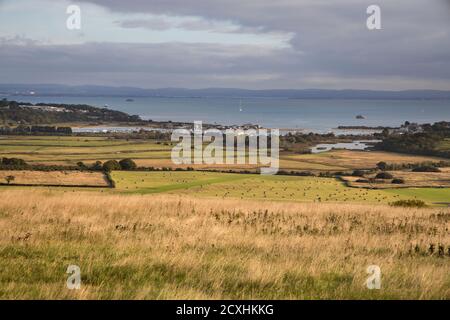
(163, 247)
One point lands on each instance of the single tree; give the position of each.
(382, 165)
(9, 179)
(111, 165)
(97, 166)
(384, 175)
(127, 164)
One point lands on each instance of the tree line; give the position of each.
(426, 142)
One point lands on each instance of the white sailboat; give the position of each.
(240, 106)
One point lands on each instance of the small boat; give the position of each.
(240, 106)
(360, 116)
(129, 100)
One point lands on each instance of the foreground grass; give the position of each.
(170, 247)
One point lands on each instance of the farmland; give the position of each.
(171, 234)
(346, 159)
(411, 180)
(151, 153)
(53, 178)
(276, 188)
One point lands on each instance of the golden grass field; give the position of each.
(177, 247)
(63, 178)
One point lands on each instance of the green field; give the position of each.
(444, 145)
(278, 188)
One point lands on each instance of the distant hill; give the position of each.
(89, 90)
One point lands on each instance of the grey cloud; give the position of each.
(331, 47)
(199, 65)
(152, 24)
(189, 23)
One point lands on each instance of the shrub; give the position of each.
(409, 203)
(382, 165)
(398, 181)
(358, 173)
(305, 174)
(81, 165)
(14, 162)
(127, 164)
(97, 165)
(111, 165)
(9, 179)
(384, 175)
(362, 181)
(426, 169)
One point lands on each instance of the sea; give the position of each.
(319, 115)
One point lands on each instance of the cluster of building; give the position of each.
(407, 128)
(47, 108)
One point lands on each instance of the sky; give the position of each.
(253, 44)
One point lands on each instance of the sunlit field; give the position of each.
(252, 186)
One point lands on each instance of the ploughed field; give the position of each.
(165, 246)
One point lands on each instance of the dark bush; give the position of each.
(382, 165)
(358, 173)
(384, 175)
(97, 165)
(13, 162)
(81, 165)
(409, 203)
(362, 181)
(398, 181)
(127, 164)
(426, 169)
(111, 165)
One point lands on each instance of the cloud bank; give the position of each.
(252, 44)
